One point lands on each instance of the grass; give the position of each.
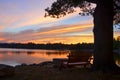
(49, 73)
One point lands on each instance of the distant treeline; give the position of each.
(60, 46)
(79, 46)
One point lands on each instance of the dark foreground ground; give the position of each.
(47, 72)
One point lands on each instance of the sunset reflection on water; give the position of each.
(18, 56)
(15, 57)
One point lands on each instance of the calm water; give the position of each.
(18, 56)
(29, 56)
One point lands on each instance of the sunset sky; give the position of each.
(23, 21)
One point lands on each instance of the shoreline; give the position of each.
(47, 72)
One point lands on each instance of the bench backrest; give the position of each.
(79, 57)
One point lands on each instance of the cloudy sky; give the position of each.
(23, 21)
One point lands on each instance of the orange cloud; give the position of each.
(64, 29)
(1, 55)
(1, 39)
(33, 17)
(27, 24)
(51, 34)
(66, 39)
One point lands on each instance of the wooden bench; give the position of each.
(77, 59)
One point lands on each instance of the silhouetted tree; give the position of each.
(103, 26)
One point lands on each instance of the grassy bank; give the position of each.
(47, 72)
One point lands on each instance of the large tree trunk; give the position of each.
(103, 37)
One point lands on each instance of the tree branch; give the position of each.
(92, 1)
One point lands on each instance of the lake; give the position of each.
(15, 57)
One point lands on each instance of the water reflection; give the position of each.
(58, 52)
(18, 56)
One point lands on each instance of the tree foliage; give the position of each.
(116, 11)
(60, 8)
